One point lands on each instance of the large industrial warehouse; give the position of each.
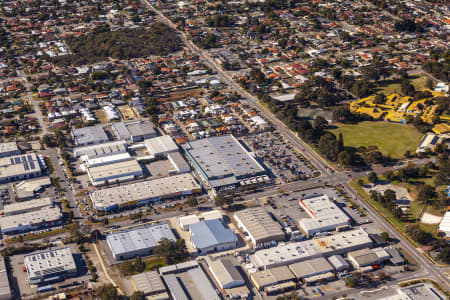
(324, 214)
(222, 162)
(145, 192)
(139, 241)
(259, 226)
(50, 265)
(322, 247)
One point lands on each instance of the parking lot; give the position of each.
(286, 209)
(282, 159)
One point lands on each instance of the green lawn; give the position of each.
(393, 86)
(393, 139)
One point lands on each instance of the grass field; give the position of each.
(393, 139)
(393, 86)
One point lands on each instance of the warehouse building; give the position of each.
(26, 206)
(160, 146)
(339, 263)
(363, 258)
(142, 193)
(138, 241)
(178, 162)
(211, 236)
(324, 214)
(28, 189)
(187, 281)
(225, 273)
(291, 253)
(100, 150)
(116, 172)
(311, 267)
(102, 154)
(396, 258)
(9, 149)
(33, 220)
(89, 135)
(260, 227)
(20, 167)
(151, 284)
(50, 266)
(5, 289)
(222, 162)
(276, 276)
(134, 132)
(186, 221)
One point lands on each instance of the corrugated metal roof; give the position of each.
(140, 238)
(210, 233)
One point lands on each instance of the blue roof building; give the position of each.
(211, 236)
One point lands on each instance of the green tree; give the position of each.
(107, 292)
(219, 200)
(352, 281)
(373, 178)
(385, 236)
(137, 295)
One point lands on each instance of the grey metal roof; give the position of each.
(89, 135)
(133, 129)
(210, 233)
(148, 282)
(338, 262)
(175, 288)
(101, 150)
(5, 290)
(202, 284)
(222, 156)
(138, 239)
(224, 271)
(311, 267)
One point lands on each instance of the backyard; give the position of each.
(390, 138)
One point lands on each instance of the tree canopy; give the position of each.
(102, 43)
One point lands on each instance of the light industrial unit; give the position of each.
(138, 241)
(44, 217)
(320, 247)
(324, 214)
(188, 281)
(211, 235)
(89, 135)
(145, 192)
(20, 167)
(50, 265)
(259, 226)
(116, 172)
(135, 131)
(9, 149)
